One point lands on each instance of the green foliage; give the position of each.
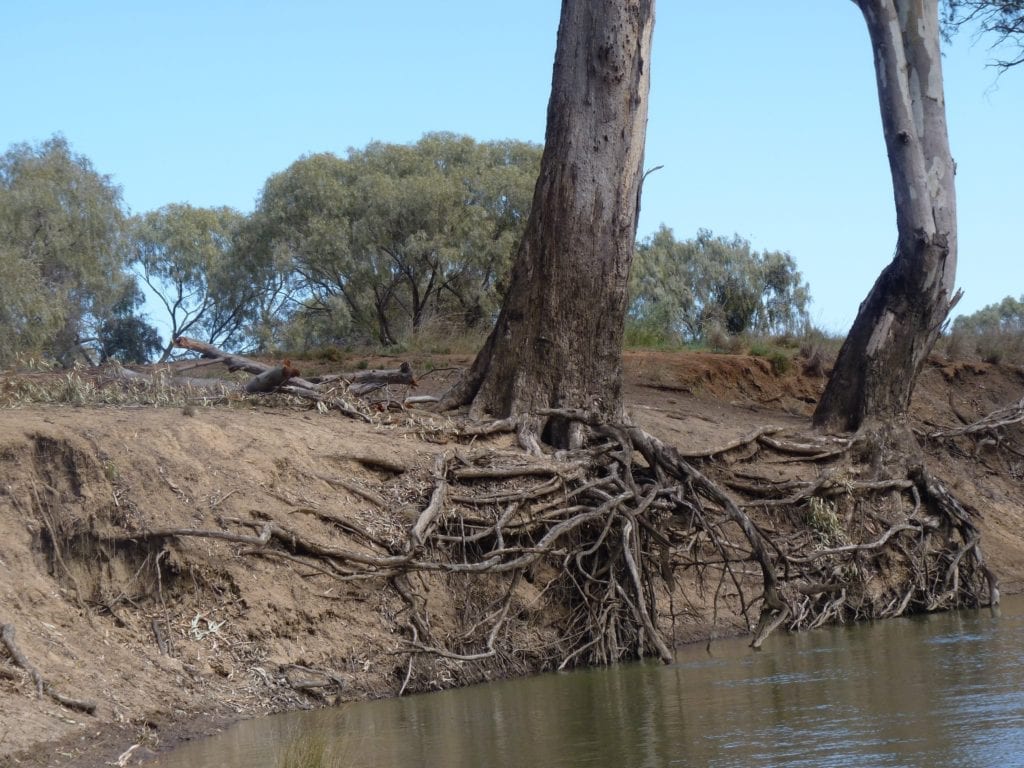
(994, 332)
(62, 260)
(687, 290)
(186, 256)
(780, 361)
(378, 243)
(1006, 317)
(823, 519)
(126, 337)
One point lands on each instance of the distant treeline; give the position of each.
(389, 242)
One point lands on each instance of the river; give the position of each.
(937, 690)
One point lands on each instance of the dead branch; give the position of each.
(284, 378)
(739, 442)
(333, 403)
(7, 636)
(1000, 418)
(272, 378)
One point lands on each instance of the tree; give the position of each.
(395, 235)
(1002, 19)
(996, 332)
(1005, 317)
(902, 316)
(62, 257)
(682, 290)
(125, 336)
(184, 254)
(557, 342)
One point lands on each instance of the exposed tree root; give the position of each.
(600, 532)
(42, 687)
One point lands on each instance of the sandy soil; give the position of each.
(171, 640)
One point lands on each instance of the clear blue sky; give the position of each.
(763, 114)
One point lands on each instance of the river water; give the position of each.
(939, 690)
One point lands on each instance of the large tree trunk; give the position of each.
(899, 321)
(558, 338)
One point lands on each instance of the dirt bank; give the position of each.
(171, 635)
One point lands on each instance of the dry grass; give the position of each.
(1005, 347)
(95, 386)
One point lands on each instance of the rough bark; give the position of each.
(899, 321)
(557, 342)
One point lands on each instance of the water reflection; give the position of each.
(942, 690)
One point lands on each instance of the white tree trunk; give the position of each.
(900, 319)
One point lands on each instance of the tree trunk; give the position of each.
(899, 321)
(557, 342)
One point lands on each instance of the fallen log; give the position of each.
(272, 378)
(235, 362)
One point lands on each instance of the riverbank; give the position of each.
(174, 636)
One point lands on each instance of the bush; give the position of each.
(778, 359)
(995, 333)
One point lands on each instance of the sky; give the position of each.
(763, 114)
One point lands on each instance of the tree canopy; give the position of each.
(186, 257)
(383, 241)
(386, 242)
(1006, 316)
(62, 254)
(683, 290)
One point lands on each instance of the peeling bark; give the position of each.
(899, 321)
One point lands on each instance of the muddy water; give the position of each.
(942, 690)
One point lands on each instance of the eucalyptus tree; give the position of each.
(62, 260)
(684, 289)
(902, 316)
(1006, 316)
(1002, 20)
(394, 235)
(557, 342)
(184, 255)
(125, 335)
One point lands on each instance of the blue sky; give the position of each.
(764, 114)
